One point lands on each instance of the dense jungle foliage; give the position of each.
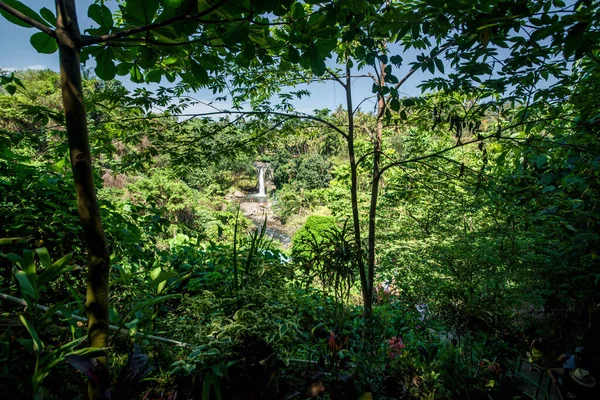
(432, 236)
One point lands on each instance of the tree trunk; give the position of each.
(68, 38)
(367, 299)
(377, 137)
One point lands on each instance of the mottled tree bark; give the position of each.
(68, 37)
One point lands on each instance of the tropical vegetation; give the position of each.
(431, 236)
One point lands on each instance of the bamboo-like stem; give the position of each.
(68, 38)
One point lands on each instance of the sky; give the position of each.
(17, 53)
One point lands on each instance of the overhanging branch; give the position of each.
(36, 24)
(282, 114)
(90, 40)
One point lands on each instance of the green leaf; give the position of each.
(14, 258)
(12, 240)
(44, 256)
(431, 67)
(211, 381)
(28, 265)
(439, 64)
(258, 37)
(46, 318)
(236, 33)
(140, 12)
(217, 371)
(105, 65)
(59, 354)
(298, 12)
(283, 328)
(136, 74)
(113, 315)
(573, 40)
(59, 165)
(395, 105)
(43, 43)
(147, 58)
(356, 6)
(326, 46)
(25, 285)
(124, 68)
(151, 302)
(22, 8)
(360, 52)
(173, 3)
(27, 343)
(293, 55)
(55, 270)
(38, 345)
(396, 60)
(317, 63)
(155, 273)
(101, 15)
(154, 76)
(48, 16)
(200, 74)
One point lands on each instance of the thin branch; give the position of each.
(337, 78)
(90, 40)
(460, 144)
(15, 13)
(362, 101)
(462, 165)
(370, 75)
(153, 42)
(297, 116)
(247, 19)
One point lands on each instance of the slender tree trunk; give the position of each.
(367, 298)
(68, 37)
(375, 184)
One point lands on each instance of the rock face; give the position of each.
(256, 210)
(238, 194)
(259, 164)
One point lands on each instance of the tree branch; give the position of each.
(90, 40)
(48, 31)
(282, 114)
(335, 77)
(460, 144)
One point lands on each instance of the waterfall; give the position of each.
(261, 181)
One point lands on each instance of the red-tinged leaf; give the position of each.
(95, 371)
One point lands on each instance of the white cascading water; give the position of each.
(261, 181)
